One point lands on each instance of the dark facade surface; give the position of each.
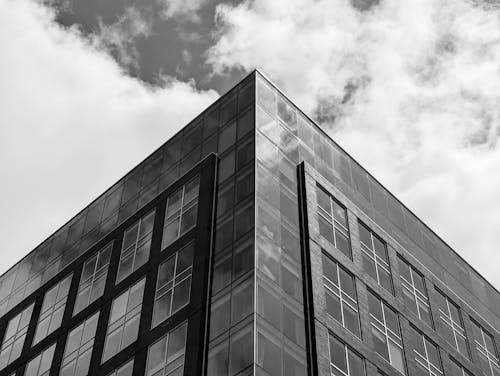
(248, 244)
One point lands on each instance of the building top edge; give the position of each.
(439, 238)
(118, 181)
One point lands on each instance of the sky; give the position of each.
(411, 89)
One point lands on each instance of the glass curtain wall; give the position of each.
(232, 293)
(280, 326)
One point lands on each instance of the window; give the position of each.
(15, 335)
(93, 278)
(173, 285)
(40, 365)
(375, 258)
(235, 353)
(344, 361)
(332, 218)
(135, 246)
(452, 327)
(340, 295)
(166, 356)
(124, 318)
(426, 354)
(414, 291)
(457, 369)
(52, 311)
(78, 349)
(182, 209)
(385, 332)
(485, 346)
(125, 370)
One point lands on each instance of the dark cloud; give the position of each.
(365, 5)
(120, 38)
(330, 108)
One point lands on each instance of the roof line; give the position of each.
(128, 172)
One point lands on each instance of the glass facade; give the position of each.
(248, 244)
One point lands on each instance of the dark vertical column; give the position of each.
(312, 364)
(197, 337)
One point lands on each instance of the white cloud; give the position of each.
(71, 123)
(121, 36)
(183, 9)
(410, 88)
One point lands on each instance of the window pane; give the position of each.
(396, 357)
(356, 366)
(181, 294)
(176, 343)
(219, 317)
(347, 283)
(218, 360)
(269, 356)
(351, 320)
(241, 350)
(338, 354)
(333, 306)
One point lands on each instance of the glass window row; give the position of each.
(173, 292)
(341, 300)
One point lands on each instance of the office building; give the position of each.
(249, 243)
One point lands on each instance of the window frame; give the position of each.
(446, 318)
(411, 288)
(59, 305)
(347, 352)
(97, 275)
(344, 297)
(178, 214)
(175, 281)
(423, 360)
(369, 250)
(333, 222)
(83, 347)
(133, 249)
(388, 333)
(20, 332)
(482, 348)
(119, 323)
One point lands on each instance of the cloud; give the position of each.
(120, 37)
(411, 89)
(71, 124)
(183, 9)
